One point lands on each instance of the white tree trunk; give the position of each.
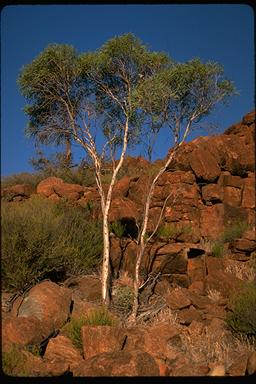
(105, 212)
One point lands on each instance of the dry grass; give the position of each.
(214, 348)
(124, 280)
(214, 295)
(242, 270)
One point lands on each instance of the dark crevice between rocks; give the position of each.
(124, 343)
(195, 252)
(130, 228)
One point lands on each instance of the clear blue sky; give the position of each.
(222, 33)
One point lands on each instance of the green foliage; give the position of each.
(13, 362)
(124, 297)
(169, 231)
(217, 249)
(242, 319)
(42, 239)
(98, 316)
(228, 236)
(117, 228)
(22, 178)
(234, 232)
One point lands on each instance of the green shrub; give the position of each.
(218, 249)
(172, 231)
(13, 362)
(117, 228)
(22, 178)
(99, 316)
(242, 319)
(124, 298)
(234, 232)
(41, 239)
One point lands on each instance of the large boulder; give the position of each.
(18, 190)
(204, 165)
(100, 339)
(61, 349)
(121, 363)
(46, 186)
(23, 331)
(123, 209)
(69, 191)
(48, 302)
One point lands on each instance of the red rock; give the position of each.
(239, 363)
(249, 118)
(223, 282)
(69, 191)
(204, 165)
(176, 177)
(100, 339)
(45, 187)
(154, 340)
(212, 221)
(81, 307)
(49, 302)
(232, 196)
(248, 200)
(187, 315)
(196, 270)
(61, 349)
(251, 364)
(245, 245)
(23, 331)
(122, 363)
(123, 208)
(177, 299)
(85, 287)
(138, 189)
(212, 193)
(198, 301)
(170, 258)
(228, 180)
(121, 187)
(18, 190)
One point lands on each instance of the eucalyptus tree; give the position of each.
(92, 98)
(178, 97)
(51, 84)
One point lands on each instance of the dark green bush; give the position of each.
(118, 228)
(242, 319)
(41, 239)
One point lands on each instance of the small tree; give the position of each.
(188, 92)
(74, 97)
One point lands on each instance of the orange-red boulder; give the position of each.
(100, 339)
(46, 187)
(122, 363)
(49, 303)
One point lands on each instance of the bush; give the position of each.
(242, 319)
(234, 232)
(124, 298)
(13, 362)
(117, 228)
(98, 316)
(218, 249)
(41, 239)
(172, 231)
(22, 178)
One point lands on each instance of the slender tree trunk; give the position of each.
(105, 264)
(105, 212)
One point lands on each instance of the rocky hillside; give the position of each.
(202, 254)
